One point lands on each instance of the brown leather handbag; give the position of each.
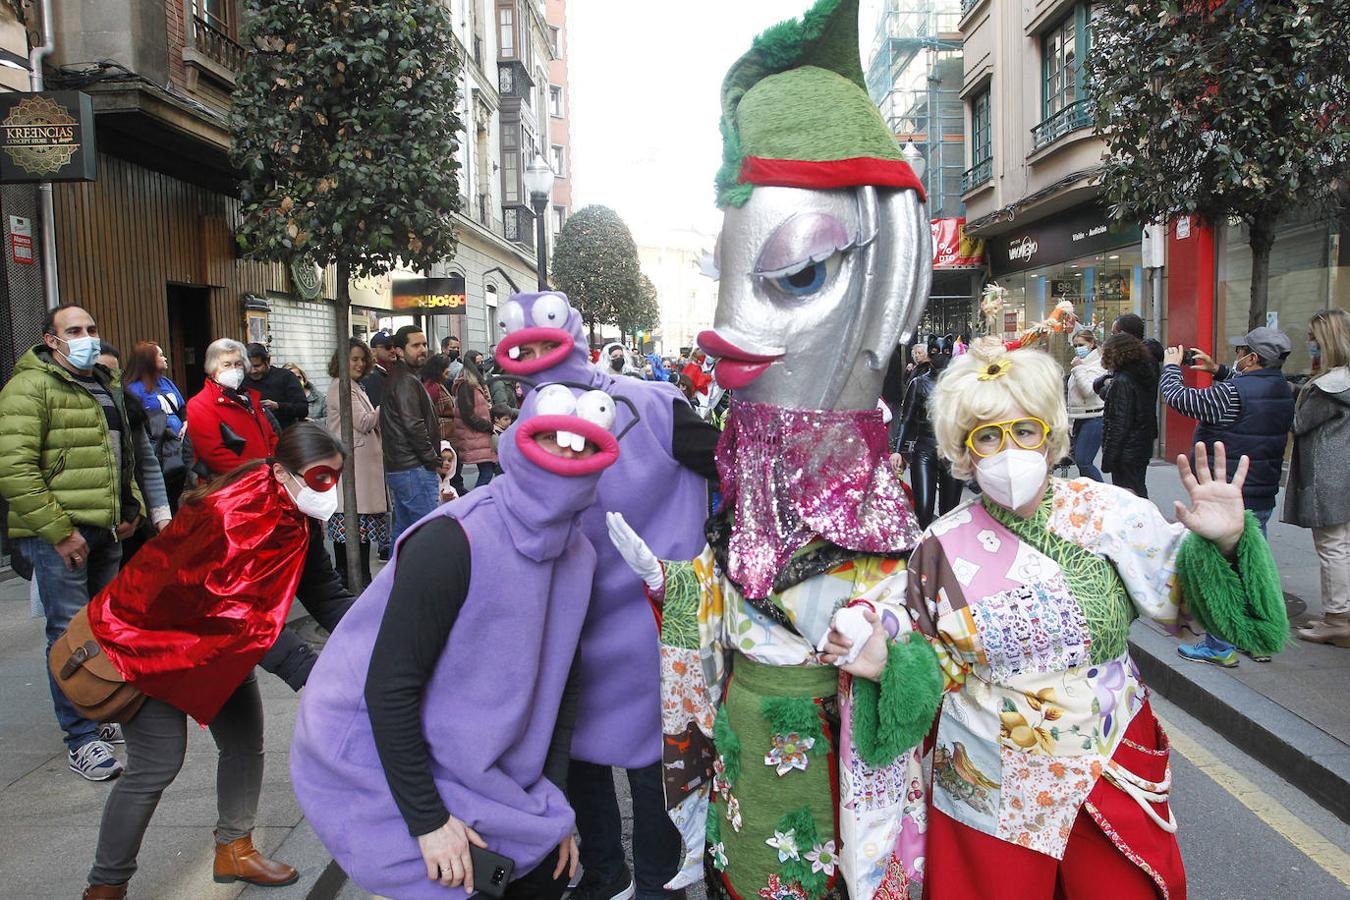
(88, 678)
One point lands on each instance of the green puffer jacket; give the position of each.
(57, 467)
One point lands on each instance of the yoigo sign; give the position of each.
(1059, 237)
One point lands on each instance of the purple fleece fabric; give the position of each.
(492, 702)
(619, 711)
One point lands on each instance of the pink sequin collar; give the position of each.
(789, 475)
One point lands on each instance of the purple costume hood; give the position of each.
(619, 712)
(491, 705)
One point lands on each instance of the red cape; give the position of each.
(195, 610)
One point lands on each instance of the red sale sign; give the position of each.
(952, 249)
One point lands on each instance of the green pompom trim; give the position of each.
(787, 715)
(892, 716)
(803, 827)
(728, 746)
(714, 826)
(1244, 607)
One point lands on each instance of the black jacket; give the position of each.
(915, 424)
(409, 429)
(324, 597)
(283, 387)
(1130, 418)
(374, 384)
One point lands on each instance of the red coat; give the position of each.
(197, 608)
(224, 433)
(700, 378)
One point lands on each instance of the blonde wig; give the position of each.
(986, 385)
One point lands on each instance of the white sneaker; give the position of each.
(95, 762)
(111, 733)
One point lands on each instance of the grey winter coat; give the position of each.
(1318, 493)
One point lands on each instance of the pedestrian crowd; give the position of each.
(144, 518)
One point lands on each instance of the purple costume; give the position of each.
(619, 712)
(491, 705)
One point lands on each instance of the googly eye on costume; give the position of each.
(597, 407)
(555, 400)
(511, 316)
(550, 311)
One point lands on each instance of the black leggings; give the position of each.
(538, 883)
(932, 481)
(340, 565)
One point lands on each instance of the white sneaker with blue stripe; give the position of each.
(95, 762)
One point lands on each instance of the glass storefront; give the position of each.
(1100, 287)
(1304, 278)
(1076, 255)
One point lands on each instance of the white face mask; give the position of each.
(1012, 477)
(230, 378)
(319, 505)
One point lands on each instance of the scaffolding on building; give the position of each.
(914, 76)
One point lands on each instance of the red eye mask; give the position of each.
(322, 478)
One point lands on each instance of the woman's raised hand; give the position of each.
(636, 553)
(1216, 512)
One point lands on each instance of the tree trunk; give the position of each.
(1262, 239)
(351, 523)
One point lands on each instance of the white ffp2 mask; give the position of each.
(1012, 477)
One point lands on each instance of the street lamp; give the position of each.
(539, 184)
(914, 158)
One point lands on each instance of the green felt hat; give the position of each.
(796, 113)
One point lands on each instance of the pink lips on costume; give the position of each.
(735, 367)
(607, 445)
(548, 360)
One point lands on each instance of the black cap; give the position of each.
(380, 339)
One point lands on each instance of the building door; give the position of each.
(189, 335)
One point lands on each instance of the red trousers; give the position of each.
(1115, 851)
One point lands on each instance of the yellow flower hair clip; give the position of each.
(996, 370)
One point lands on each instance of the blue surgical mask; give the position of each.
(1082, 352)
(82, 352)
(1313, 349)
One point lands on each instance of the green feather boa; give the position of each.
(1244, 606)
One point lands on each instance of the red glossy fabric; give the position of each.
(195, 610)
(1115, 852)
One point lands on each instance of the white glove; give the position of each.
(852, 624)
(636, 553)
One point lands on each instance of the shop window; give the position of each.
(981, 144)
(1064, 105)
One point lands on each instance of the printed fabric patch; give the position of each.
(1041, 797)
(967, 776)
(1037, 627)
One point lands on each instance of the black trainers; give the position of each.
(621, 888)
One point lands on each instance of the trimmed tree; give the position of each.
(640, 311)
(345, 131)
(595, 263)
(1224, 109)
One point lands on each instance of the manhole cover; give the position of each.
(1294, 606)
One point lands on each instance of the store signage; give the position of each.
(953, 248)
(21, 239)
(430, 295)
(1058, 238)
(47, 137)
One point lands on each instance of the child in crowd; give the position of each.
(449, 462)
(502, 417)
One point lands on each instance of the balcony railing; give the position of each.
(977, 175)
(216, 45)
(1072, 117)
(968, 6)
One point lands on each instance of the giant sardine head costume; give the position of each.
(825, 264)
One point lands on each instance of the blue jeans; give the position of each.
(1087, 443)
(63, 593)
(486, 472)
(415, 493)
(1262, 519)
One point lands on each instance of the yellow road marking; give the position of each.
(1269, 810)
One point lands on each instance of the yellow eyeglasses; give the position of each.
(1029, 434)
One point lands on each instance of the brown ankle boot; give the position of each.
(240, 861)
(1330, 629)
(106, 892)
